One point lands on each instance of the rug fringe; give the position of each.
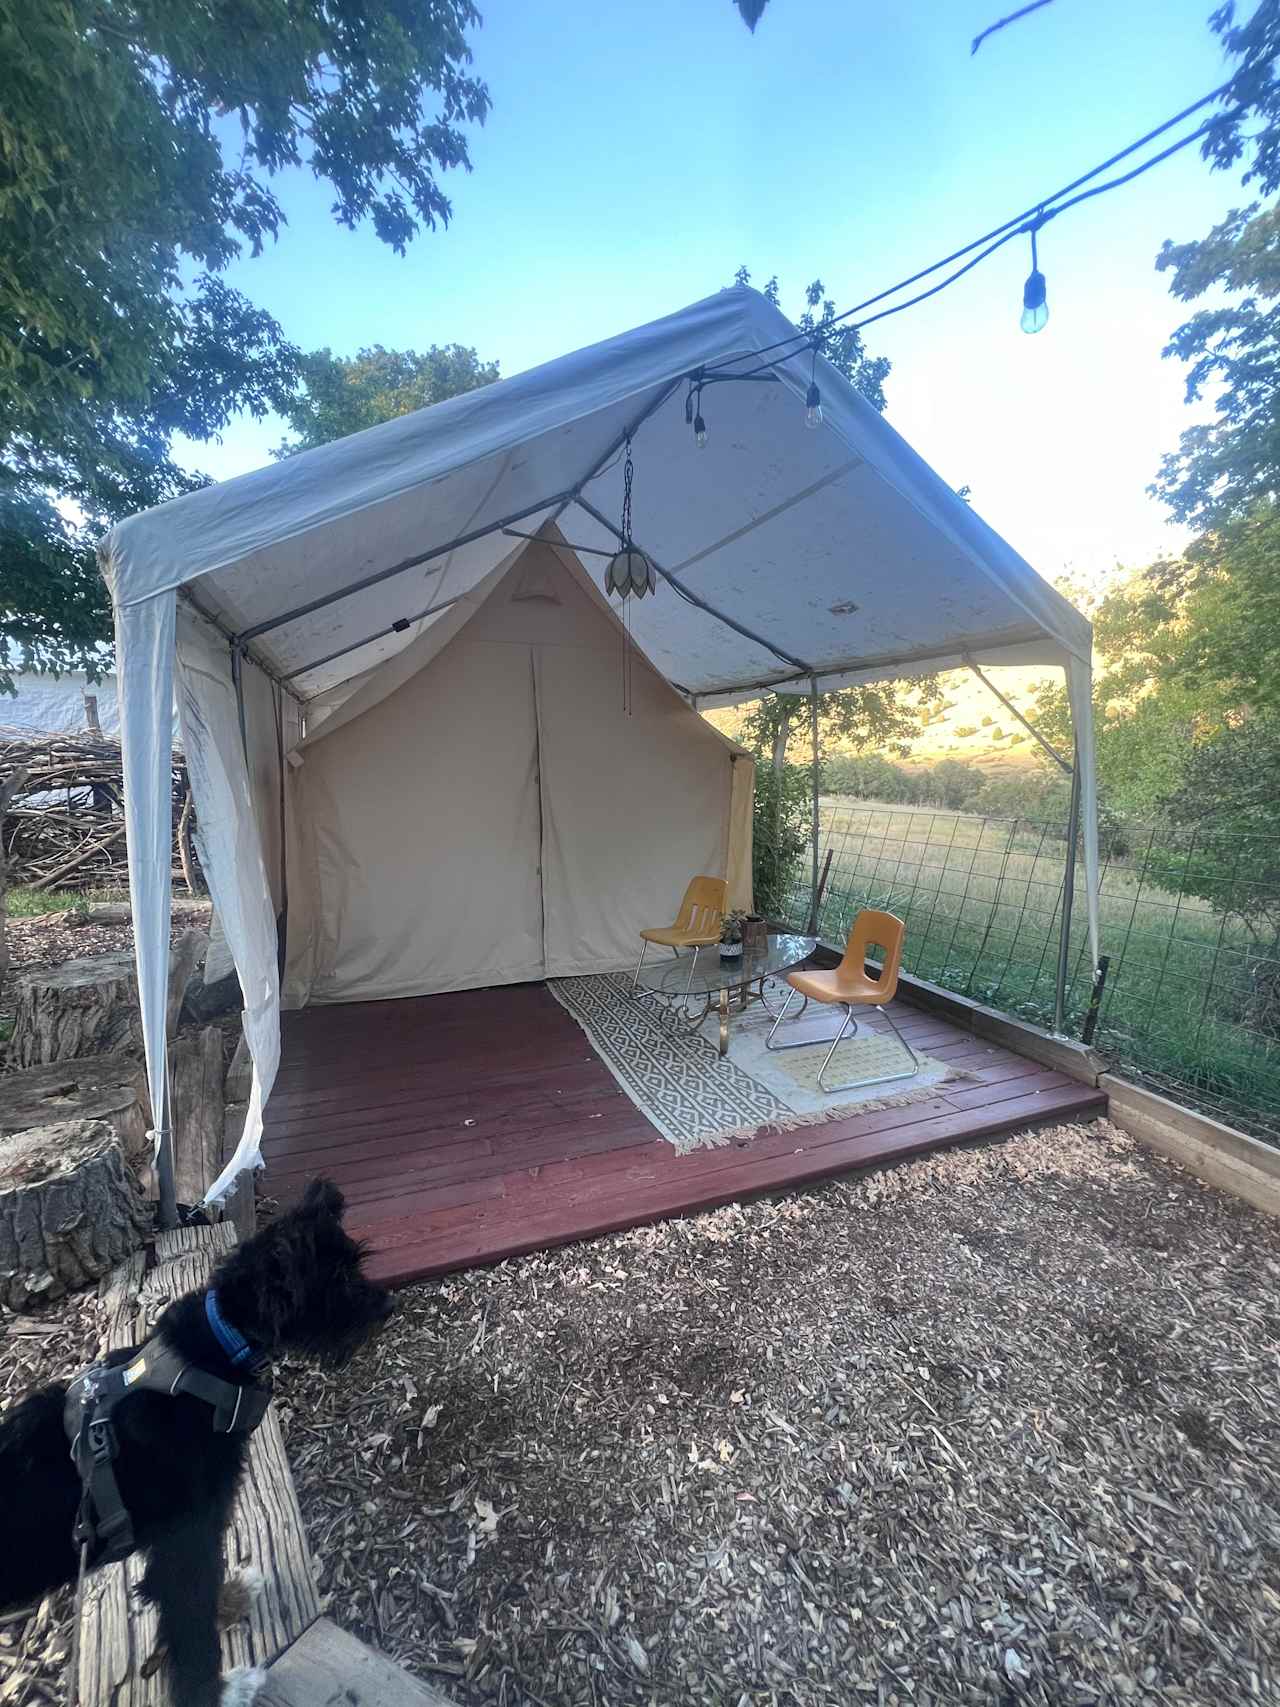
(819, 1117)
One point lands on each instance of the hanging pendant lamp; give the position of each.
(629, 571)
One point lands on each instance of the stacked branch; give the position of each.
(63, 827)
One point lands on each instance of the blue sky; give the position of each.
(637, 155)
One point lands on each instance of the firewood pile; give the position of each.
(64, 826)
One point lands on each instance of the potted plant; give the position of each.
(731, 935)
(755, 933)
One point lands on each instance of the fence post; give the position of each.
(815, 782)
(1068, 897)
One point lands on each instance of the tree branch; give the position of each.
(1001, 22)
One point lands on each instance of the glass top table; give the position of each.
(691, 991)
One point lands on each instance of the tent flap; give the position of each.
(144, 663)
(230, 848)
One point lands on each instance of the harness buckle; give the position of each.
(103, 1444)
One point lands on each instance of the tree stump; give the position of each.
(112, 1088)
(69, 1210)
(90, 1006)
(83, 1007)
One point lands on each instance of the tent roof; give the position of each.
(782, 552)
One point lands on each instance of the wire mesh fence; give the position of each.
(1190, 920)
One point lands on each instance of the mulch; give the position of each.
(996, 1426)
(35, 1642)
(51, 939)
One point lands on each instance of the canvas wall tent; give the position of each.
(498, 815)
(786, 558)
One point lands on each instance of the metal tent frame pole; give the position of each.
(815, 780)
(1068, 899)
(166, 1187)
(1073, 836)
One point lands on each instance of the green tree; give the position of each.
(1146, 714)
(1189, 653)
(858, 717)
(842, 345)
(954, 784)
(344, 394)
(138, 141)
(1222, 469)
(1227, 807)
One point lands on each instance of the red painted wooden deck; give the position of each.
(468, 1128)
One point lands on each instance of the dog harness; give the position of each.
(103, 1524)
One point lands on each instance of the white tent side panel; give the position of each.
(271, 728)
(231, 854)
(501, 816)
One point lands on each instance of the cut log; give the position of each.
(83, 1007)
(185, 955)
(121, 912)
(90, 1006)
(69, 1210)
(117, 1626)
(195, 1092)
(329, 1666)
(112, 1088)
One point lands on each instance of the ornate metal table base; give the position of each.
(768, 989)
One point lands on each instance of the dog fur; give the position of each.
(296, 1287)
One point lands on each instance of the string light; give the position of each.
(813, 397)
(699, 425)
(1035, 307)
(994, 239)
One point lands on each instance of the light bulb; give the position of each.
(1035, 307)
(813, 407)
(699, 432)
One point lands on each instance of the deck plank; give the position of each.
(466, 1129)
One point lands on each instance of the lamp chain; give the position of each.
(628, 473)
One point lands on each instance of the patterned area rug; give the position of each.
(698, 1099)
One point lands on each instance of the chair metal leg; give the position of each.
(915, 1059)
(644, 949)
(768, 1042)
(879, 1078)
(804, 1042)
(836, 1041)
(693, 965)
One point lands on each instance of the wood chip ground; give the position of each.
(997, 1426)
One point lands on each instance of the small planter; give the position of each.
(755, 933)
(731, 951)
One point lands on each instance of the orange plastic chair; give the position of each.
(849, 986)
(697, 923)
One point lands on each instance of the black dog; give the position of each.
(295, 1287)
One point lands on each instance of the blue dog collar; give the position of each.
(230, 1339)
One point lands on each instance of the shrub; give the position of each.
(966, 730)
(953, 783)
(781, 834)
(870, 776)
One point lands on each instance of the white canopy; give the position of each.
(785, 557)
